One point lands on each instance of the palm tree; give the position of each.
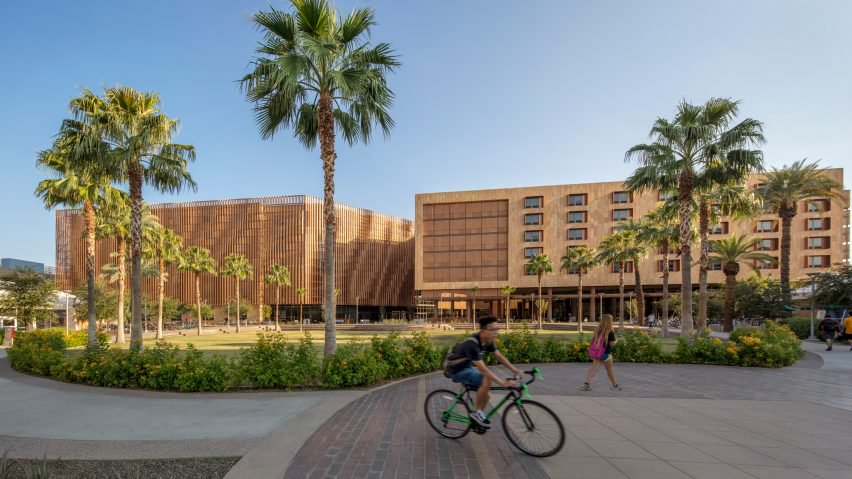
(140, 137)
(301, 294)
(698, 136)
(473, 290)
(730, 252)
(539, 265)
(639, 250)
(507, 290)
(238, 266)
(164, 247)
(660, 229)
(579, 260)
(783, 189)
(198, 260)
(316, 72)
(79, 179)
(278, 275)
(616, 250)
(114, 222)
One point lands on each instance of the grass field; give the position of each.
(229, 344)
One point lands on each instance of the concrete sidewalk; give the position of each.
(840, 357)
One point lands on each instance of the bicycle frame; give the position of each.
(514, 393)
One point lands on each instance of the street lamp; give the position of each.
(813, 277)
(600, 314)
(356, 309)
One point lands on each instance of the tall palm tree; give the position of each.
(300, 292)
(238, 266)
(579, 260)
(660, 229)
(783, 189)
(317, 72)
(164, 247)
(140, 137)
(539, 265)
(79, 179)
(278, 275)
(617, 250)
(114, 222)
(640, 251)
(730, 252)
(507, 290)
(699, 136)
(197, 261)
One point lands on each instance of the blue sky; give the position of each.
(490, 93)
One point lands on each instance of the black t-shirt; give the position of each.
(828, 325)
(470, 350)
(609, 339)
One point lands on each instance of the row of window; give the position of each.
(820, 261)
(580, 199)
(579, 216)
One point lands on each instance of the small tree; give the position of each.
(29, 297)
(301, 294)
(539, 265)
(835, 287)
(238, 266)
(197, 261)
(579, 260)
(279, 276)
(473, 291)
(730, 252)
(507, 290)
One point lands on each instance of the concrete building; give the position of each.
(484, 238)
(12, 263)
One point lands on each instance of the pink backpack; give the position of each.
(598, 346)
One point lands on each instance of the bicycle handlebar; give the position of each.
(534, 373)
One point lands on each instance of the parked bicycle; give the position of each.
(529, 425)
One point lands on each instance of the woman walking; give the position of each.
(600, 351)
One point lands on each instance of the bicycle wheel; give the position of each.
(447, 416)
(533, 428)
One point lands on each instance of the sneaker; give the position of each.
(480, 419)
(585, 387)
(617, 387)
(828, 349)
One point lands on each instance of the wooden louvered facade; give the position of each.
(374, 252)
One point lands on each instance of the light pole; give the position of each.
(813, 303)
(67, 313)
(600, 314)
(356, 309)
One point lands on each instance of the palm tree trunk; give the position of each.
(238, 305)
(786, 213)
(539, 303)
(162, 287)
(621, 298)
(580, 302)
(277, 294)
(730, 291)
(326, 134)
(665, 313)
(640, 295)
(135, 177)
(198, 299)
(507, 312)
(301, 321)
(89, 218)
(122, 262)
(685, 211)
(704, 233)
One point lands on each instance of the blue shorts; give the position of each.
(469, 377)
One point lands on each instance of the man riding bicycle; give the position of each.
(465, 365)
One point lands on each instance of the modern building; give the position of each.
(483, 239)
(12, 263)
(374, 254)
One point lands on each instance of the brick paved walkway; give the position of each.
(384, 433)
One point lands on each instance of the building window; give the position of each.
(532, 236)
(619, 197)
(577, 217)
(818, 261)
(714, 265)
(577, 199)
(720, 229)
(674, 265)
(533, 219)
(533, 201)
(530, 252)
(666, 196)
(819, 242)
(817, 206)
(766, 264)
(768, 244)
(622, 215)
(765, 226)
(618, 228)
(576, 234)
(628, 267)
(817, 224)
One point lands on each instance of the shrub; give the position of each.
(521, 346)
(37, 351)
(353, 365)
(773, 346)
(387, 350)
(419, 355)
(272, 363)
(704, 349)
(199, 374)
(578, 351)
(800, 326)
(639, 347)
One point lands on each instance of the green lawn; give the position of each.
(229, 344)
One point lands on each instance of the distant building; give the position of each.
(12, 263)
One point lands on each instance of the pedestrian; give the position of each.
(600, 351)
(828, 327)
(846, 329)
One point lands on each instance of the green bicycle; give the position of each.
(529, 425)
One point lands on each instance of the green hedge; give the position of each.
(273, 363)
(801, 327)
